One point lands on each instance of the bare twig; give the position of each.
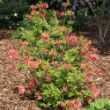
(107, 27)
(101, 33)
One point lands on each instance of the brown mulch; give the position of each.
(10, 77)
(91, 33)
(104, 64)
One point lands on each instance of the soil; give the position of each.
(9, 77)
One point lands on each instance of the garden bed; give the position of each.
(11, 77)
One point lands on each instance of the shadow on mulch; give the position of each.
(91, 33)
(5, 33)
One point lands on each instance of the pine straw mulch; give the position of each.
(9, 77)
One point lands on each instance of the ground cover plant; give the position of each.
(100, 104)
(59, 64)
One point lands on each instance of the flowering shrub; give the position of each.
(39, 22)
(61, 74)
(61, 71)
(42, 10)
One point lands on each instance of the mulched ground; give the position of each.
(10, 77)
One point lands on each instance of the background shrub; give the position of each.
(12, 12)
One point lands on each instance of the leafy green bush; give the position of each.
(100, 104)
(59, 64)
(35, 24)
(12, 12)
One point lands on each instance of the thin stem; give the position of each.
(100, 32)
(90, 5)
(107, 28)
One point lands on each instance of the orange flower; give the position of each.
(22, 89)
(46, 5)
(85, 52)
(24, 43)
(55, 64)
(90, 72)
(62, 14)
(48, 76)
(46, 67)
(71, 40)
(97, 70)
(93, 49)
(94, 57)
(68, 66)
(84, 66)
(34, 7)
(38, 95)
(71, 108)
(77, 103)
(29, 17)
(88, 79)
(29, 91)
(46, 51)
(13, 54)
(33, 13)
(45, 37)
(53, 53)
(32, 83)
(39, 60)
(32, 64)
(41, 6)
(95, 91)
(57, 42)
(87, 42)
(44, 14)
(94, 70)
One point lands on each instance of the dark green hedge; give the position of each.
(12, 12)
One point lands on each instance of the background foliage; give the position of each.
(12, 12)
